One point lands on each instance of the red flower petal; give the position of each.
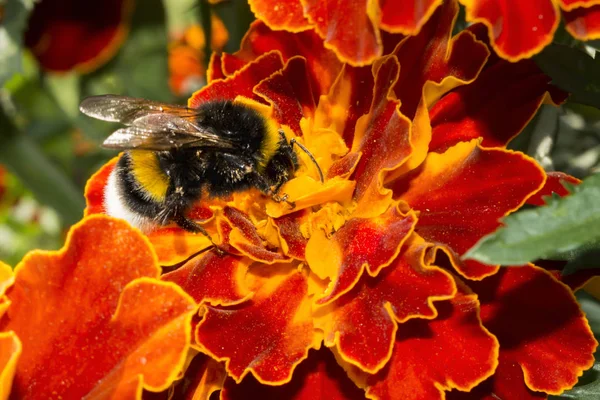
(277, 14)
(68, 34)
(540, 328)
(362, 243)
(433, 55)
(93, 318)
(10, 351)
(382, 137)
(268, 335)
(408, 18)
(293, 243)
(462, 193)
(290, 94)
(318, 378)
(215, 68)
(362, 324)
(517, 30)
(323, 65)
(469, 112)
(570, 4)
(347, 27)
(241, 83)
(583, 23)
(554, 184)
(453, 351)
(203, 377)
(212, 278)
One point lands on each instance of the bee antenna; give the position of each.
(304, 149)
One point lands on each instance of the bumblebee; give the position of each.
(174, 155)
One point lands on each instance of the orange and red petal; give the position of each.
(517, 29)
(212, 278)
(202, 377)
(583, 23)
(67, 35)
(267, 335)
(554, 185)
(348, 27)
(323, 65)
(10, 351)
(461, 195)
(317, 378)
(93, 317)
(383, 138)
(408, 18)
(436, 57)
(241, 83)
(361, 244)
(280, 15)
(453, 351)
(362, 323)
(293, 243)
(540, 328)
(469, 112)
(290, 93)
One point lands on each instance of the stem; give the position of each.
(47, 183)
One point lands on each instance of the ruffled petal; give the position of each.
(409, 18)
(93, 317)
(10, 351)
(469, 112)
(540, 328)
(362, 324)
(280, 15)
(434, 62)
(583, 23)
(453, 351)
(517, 30)
(212, 278)
(570, 4)
(462, 193)
(203, 377)
(317, 378)
(554, 184)
(348, 27)
(69, 35)
(362, 243)
(267, 335)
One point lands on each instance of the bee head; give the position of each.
(282, 165)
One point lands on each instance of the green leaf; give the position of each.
(574, 71)
(13, 25)
(565, 225)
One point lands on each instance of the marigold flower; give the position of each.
(360, 289)
(67, 35)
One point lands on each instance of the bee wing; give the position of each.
(151, 125)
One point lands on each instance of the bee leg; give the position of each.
(283, 198)
(194, 227)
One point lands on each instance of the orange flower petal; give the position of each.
(290, 94)
(360, 244)
(517, 30)
(554, 184)
(347, 27)
(382, 137)
(68, 35)
(345, 166)
(277, 14)
(462, 193)
(434, 62)
(7, 278)
(453, 351)
(409, 18)
(323, 65)
(362, 324)
(93, 318)
(171, 244)
(292, 242)
(268, 335)
(553, 343)
(209, 277)
(241, 82)
(583, 23)
(317, 378)
(469, 112)
(10, 351)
